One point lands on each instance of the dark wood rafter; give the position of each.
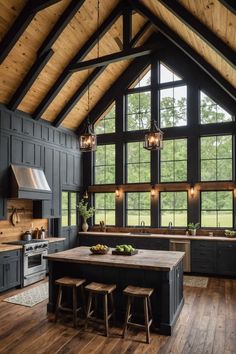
(29, 79)
(174, 38)
(44, 53)
(76, 97)
(131, 53)
(140, 33)
(201, 30)
(230, 4)
(63, 78)
(20, 25)
(127, 26)
(92, 77)
(138, 65)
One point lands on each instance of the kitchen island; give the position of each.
(161, 270)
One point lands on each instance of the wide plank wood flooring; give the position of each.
(207, 324)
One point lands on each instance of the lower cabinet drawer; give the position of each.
(198, 266)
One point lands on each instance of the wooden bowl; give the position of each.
(99, 251)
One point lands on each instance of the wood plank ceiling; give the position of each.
(80, 28)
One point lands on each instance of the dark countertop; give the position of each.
(165, 236)
(145, 259)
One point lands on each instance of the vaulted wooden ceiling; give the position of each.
(41, 41)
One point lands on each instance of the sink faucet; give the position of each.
(142, 223)
(170, 225)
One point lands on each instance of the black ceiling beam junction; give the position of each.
(191, 53)
(201, 30)
(80, 55)
(230, 4)
(126, 54)
(44, 53)
(29, 79)
(127, 27)
(60, 25)
(140, 33)
(84, 87)
(20, 25)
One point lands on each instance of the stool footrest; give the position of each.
(138, 325)
(68, 309)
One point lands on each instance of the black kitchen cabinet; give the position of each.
(4, 173)
(56, 198)
(25, 152)
(55, 247)
(226, 258)
(28, 127)
(16, 124)
(70, 233)
(203, 256)
(10, 269)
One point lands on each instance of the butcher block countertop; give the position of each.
(54, 239)
(4, 247)
(145, 259)
(167, 236)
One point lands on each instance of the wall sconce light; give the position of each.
(117, 192)
(192, 191)
(153, 191)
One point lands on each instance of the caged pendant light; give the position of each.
(153, 138)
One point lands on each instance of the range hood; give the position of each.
(29, 183)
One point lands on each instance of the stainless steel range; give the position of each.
(34, 264)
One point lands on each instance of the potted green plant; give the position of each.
(86, 213)
(193, 228)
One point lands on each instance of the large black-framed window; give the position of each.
(137, 163)
(174, 209)
(69, 208)
(104, 164)
(138, 209)
(138, 110)
(216, 158)
(211, 112)
(173, 165)
(105, 208)
(217, 209)
(107, 123)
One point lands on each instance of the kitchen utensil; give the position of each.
(27, 236)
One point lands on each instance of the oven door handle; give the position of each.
(35, 254)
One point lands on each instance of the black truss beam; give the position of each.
(76, 97)
(140, 33)
(230, 4)
(131, 53)
(201, 30)
(132, 72)
(63, 78)
(29, 79)
(44, 53)
(20, 25)
(80, 92)
(174, 38)
(63, 21)
(127, 27)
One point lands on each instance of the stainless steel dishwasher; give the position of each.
(182, 246)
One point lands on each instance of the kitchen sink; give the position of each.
(140, 233)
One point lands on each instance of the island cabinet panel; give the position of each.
(226, 258)
(10, 269)
(203, 257)
(141, 242)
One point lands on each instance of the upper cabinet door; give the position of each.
(28, 127)
(16, 124)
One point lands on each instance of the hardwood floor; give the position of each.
(207, 324)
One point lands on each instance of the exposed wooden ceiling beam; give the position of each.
(60, 82)
(127, 27)
(191, 53)
(82, 89)
(140, 33)
(137, 66)
(29, 79)
(112, 58)
(20, 25)
(201, 30)
(76, 97)
(44, 53)
(230, 4)
(63, 21)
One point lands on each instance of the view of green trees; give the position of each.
(138, 207)
(217, 209)
(68, 212)
(138, 163)
(216, 158)
(105, 208)
(215, 152)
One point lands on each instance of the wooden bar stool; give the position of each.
(143, 293)
(94, 290)
(73, 283)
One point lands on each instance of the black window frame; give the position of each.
(113, 165)
(187, 210)
(104, 120)
(131, 91)
(126, 209)
(105, 210)
(126, 164)
(69, 209)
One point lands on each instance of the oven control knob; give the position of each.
(29, 249)
(45, 245)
